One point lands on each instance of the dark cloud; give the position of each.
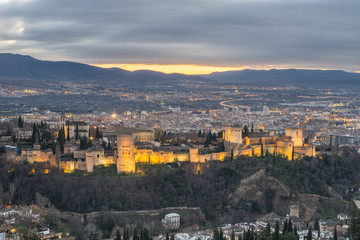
(316, 33)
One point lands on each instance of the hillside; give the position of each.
(289, 77)
(235, 187)
(20, 68)
(25, 70)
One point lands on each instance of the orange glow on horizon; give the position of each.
(195, 69)
(190, 69)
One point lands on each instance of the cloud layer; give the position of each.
(301, 34)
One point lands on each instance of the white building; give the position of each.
(172, 221)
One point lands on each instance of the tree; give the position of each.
(335, 234)
(84, 143)
(296, 233)
(158, 135)
(97, 134)
(232, 236)
(208, 138)
(214, 137)
(77, 132)
(118, 235)
(245, 131)
(232, 154)
(135, 235)
(61, 138)
(144, 234)
(222, 147)
(252, 127)
(221, 234)
(316, 225)
(68, 131)
(277, 230)
(354, 228)
(293, 153)
(126, 234)
(285, 226)
(199, 133)
(216, 234)
(94, 236)
(20, 122)
(172, 237)
(309, 235)
(35, 134)
(267, 230)
(167, 236)
(289, 226)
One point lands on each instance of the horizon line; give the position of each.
(198, 69)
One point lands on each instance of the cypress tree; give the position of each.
(68, 131)
(222, 147)
(267, 230)
(232, 237)
(309, 235)
(127, 234)
(77, 132)
(214, 137)
(20, 122)
(135, 236)
(246, 131)
(277, 230)
(172, 237)
(285, 226)
(216, 235)
(167, 236)
(221, 234)
(293, 154)
(296, 233)
(316, 225)
(289, 226)
(335, 234)
(34, 134)
(97, 134)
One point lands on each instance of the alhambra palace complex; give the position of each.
(133, 145)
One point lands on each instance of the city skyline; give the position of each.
(192, 37)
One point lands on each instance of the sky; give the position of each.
(188, 36)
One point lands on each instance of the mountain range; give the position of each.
(19, 68)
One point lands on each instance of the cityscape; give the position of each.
(194, 120)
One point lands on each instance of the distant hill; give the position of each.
(26, 68)
(287, 77)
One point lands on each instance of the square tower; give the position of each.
(296, 135)
(125, 160)
(294, 210)
(233, 134)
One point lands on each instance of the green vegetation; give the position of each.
(159, 186)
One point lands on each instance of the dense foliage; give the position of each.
(170, 185)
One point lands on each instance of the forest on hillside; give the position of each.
(171, 185)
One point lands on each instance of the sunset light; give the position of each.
(190, 69)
